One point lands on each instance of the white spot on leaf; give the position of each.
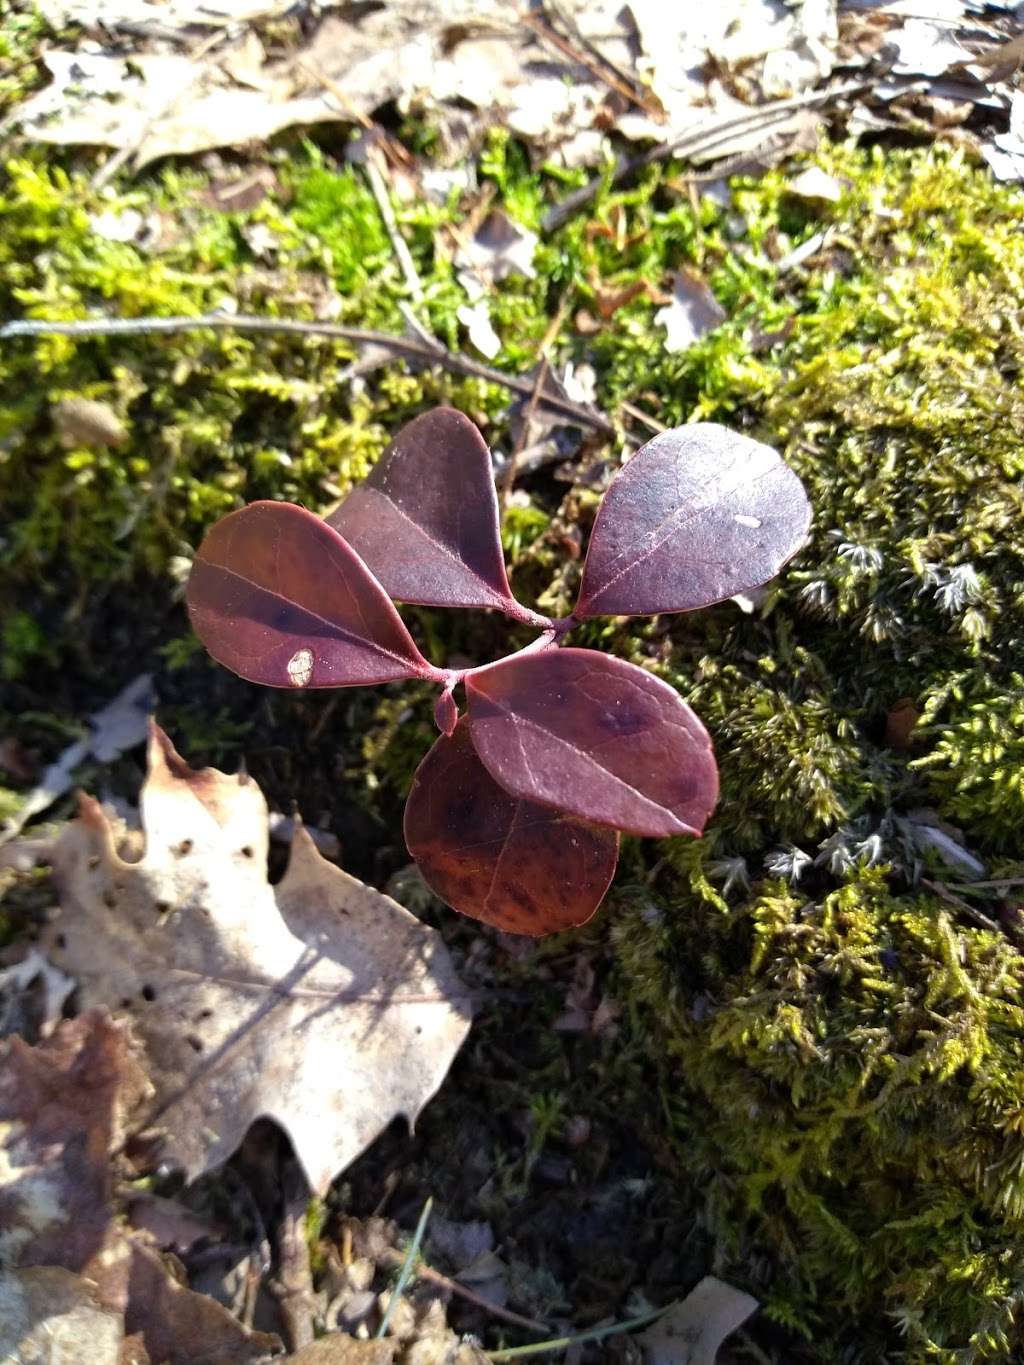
(300, 668)
(752, 522)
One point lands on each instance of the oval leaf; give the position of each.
(524, 868)
(697, 515)
(425, 520)
(594, 736)
(279, 598)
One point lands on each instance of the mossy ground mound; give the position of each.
(837, 1046)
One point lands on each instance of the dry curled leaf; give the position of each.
(318, 1003)
(50, 1316)
(75, 1283)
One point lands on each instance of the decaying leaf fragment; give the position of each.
(318, 1003)
(50, 1316)
(501, 247)
(82, 422)
(74, 1284)
(693, 312)
(63, 1107)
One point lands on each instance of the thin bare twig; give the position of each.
(555, 325)
(697, 142)
(597, 67)
(432, 1276)
(972, 913)
(398, 243)
(643, 95)
(638, 415)
(376, 137)
(393, 149)
(407, 347)
(547, 341)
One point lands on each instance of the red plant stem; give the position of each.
(449, 678)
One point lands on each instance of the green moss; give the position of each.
(838, 1056)
(848, 1095)
(976, 759)
(842, 1060)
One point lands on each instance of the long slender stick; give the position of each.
(696, 142)
(548, 34)
(398, 243)
(409, 347)
(972, 913)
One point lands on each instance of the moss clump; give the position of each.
(843, 1061)
(852, 1106)
(872, 1027)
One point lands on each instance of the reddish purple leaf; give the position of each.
(594, 736)
(278, 597)
(697, 515)
(425, 520)
(522, 867)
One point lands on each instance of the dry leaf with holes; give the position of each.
(319, 1002)
(75, 1283)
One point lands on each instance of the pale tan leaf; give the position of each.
(692, 1330)
(319, 1003)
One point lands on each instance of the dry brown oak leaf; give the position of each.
(318, 1003)
(75, 1286)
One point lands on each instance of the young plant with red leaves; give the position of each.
(514, 814)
